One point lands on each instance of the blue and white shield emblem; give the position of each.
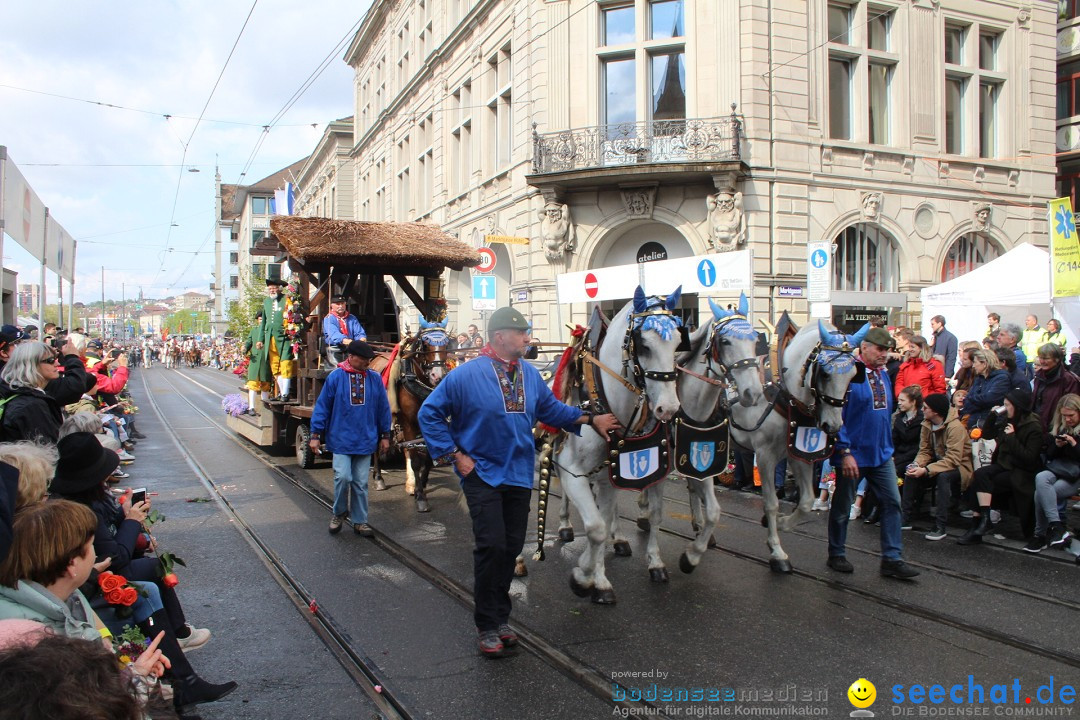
(702, 455)
(639, 464)
(810, 440)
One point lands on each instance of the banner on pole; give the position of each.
(23, 212)
(60, 251)
(1064, 249)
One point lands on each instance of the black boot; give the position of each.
(189, 690)
(979, 527)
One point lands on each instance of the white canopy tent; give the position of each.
(1015, 285)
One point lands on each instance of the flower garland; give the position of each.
(437, 310)
(294, 316)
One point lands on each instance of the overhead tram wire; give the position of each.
(183, 158)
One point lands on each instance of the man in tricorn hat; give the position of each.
(339, 329)
(274, 339)
(492, 404)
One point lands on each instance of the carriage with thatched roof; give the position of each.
(351, 258)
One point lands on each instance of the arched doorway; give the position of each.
(968, 252)
(866, 276)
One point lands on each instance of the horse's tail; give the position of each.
(392, 386)
(546, 450)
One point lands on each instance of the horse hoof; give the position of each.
(712, 541)
(622, 549)
(380, 484)
(780, 566)
(685, 565)
(566, 534)
(520, 569)
(579, 589)
(659, 575)
(422, 505)
(643, 524)
(603, 597)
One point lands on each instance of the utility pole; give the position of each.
(123, 311)
(218, 313)
(103, 303)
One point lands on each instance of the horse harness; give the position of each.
(409, 378)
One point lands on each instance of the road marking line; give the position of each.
(196, 382)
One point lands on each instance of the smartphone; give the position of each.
(138, 495)
(114, 354)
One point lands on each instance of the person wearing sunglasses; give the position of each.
(29, 413)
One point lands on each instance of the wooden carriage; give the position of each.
(354, 259)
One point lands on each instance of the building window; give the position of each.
(460, 139)
(260, 206)
(862, 66)
(1068, 9)
(234, 258)
(1068, 183)
(642, 63)
(425, 167)
(866, 260)
(402, 200)
(256, 236)
(499, 111)
(1068, 90)
(974, 85)
(967, 253)
(234, 282)
(404, 40)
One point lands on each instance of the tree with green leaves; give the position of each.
(241, 312)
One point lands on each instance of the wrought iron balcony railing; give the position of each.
(658, 141)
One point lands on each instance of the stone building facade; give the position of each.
(915, 135)
(324, 187)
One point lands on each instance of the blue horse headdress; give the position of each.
(662, 322)
(434, 333)
(734, 323)
(836, 355)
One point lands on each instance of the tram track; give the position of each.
(597, 683)
(361, 668)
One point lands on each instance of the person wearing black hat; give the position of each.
(493, 402)
(275, 340)
(944, 460)
(864, 449)
(351, 419)
(340, 328)
(258, 374)
(81, 474)
(1011, 472)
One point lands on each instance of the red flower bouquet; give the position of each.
(118, 592)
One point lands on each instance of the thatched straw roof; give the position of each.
(371, 243)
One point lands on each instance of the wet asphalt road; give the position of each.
(733, 627)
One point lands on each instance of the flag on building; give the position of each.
(282, 204)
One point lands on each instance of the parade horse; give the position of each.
(634, 368)
(193, 357)
(173, 356)
(817, 369)
(420, 364)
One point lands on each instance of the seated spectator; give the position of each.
(943, 462)
(1052, 381)
(1054, 334)
(1074, 361)
(1061, 478)
(36, 463)
(965, 374)
(1012, 469)
(80, 477)
(920, 369)
(987, 389)
(1009, 337)
(29, 413)
(907, 424)
(9, 494)
(1017, 376)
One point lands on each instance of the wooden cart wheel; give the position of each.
(305, 458)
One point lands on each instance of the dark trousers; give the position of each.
(913, 490)
(500, 516)
(146, 569)
(1017, 486)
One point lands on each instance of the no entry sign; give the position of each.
(591, 286)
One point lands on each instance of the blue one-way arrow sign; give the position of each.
(483, 292)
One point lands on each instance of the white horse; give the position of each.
(816, 370)
(638, 352)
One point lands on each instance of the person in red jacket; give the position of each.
(111, 384)
(921, 369)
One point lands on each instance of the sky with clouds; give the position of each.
(111, 176)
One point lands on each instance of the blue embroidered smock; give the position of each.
(867, 430)
(352, 412)
(480, 411)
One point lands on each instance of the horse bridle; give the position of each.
(630, 354)
(813, 365)
(714, 351)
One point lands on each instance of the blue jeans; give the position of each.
(141, 611)
(882, 478)
(351, 474)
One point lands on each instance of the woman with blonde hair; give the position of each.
(1061, 478)
(36, 463)
(965, 375)
(987, 389)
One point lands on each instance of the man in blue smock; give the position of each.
(864, 449)
(352, 419)
(339, 329)
(492, 403)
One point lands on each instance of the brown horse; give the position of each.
(421, 364)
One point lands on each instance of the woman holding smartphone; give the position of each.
(1061, 478)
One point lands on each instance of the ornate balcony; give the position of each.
(637, 150)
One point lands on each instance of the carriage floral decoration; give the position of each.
(294, 316)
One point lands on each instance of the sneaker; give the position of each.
(905, 525)
(839, 563)
(363, 530)
(897, 569)
(856, 511)
(873, 517)
(125, 456)
(1036, 544)
(820, 505)
(1058, 536)
(197, 638)
(120, 475)
(335, 525)
(508, 636)
(967, 513)
(490, 644)
(995, 517)
(938, 533)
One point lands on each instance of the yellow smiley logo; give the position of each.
(862, 693)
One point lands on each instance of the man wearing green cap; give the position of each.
(493, 403)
